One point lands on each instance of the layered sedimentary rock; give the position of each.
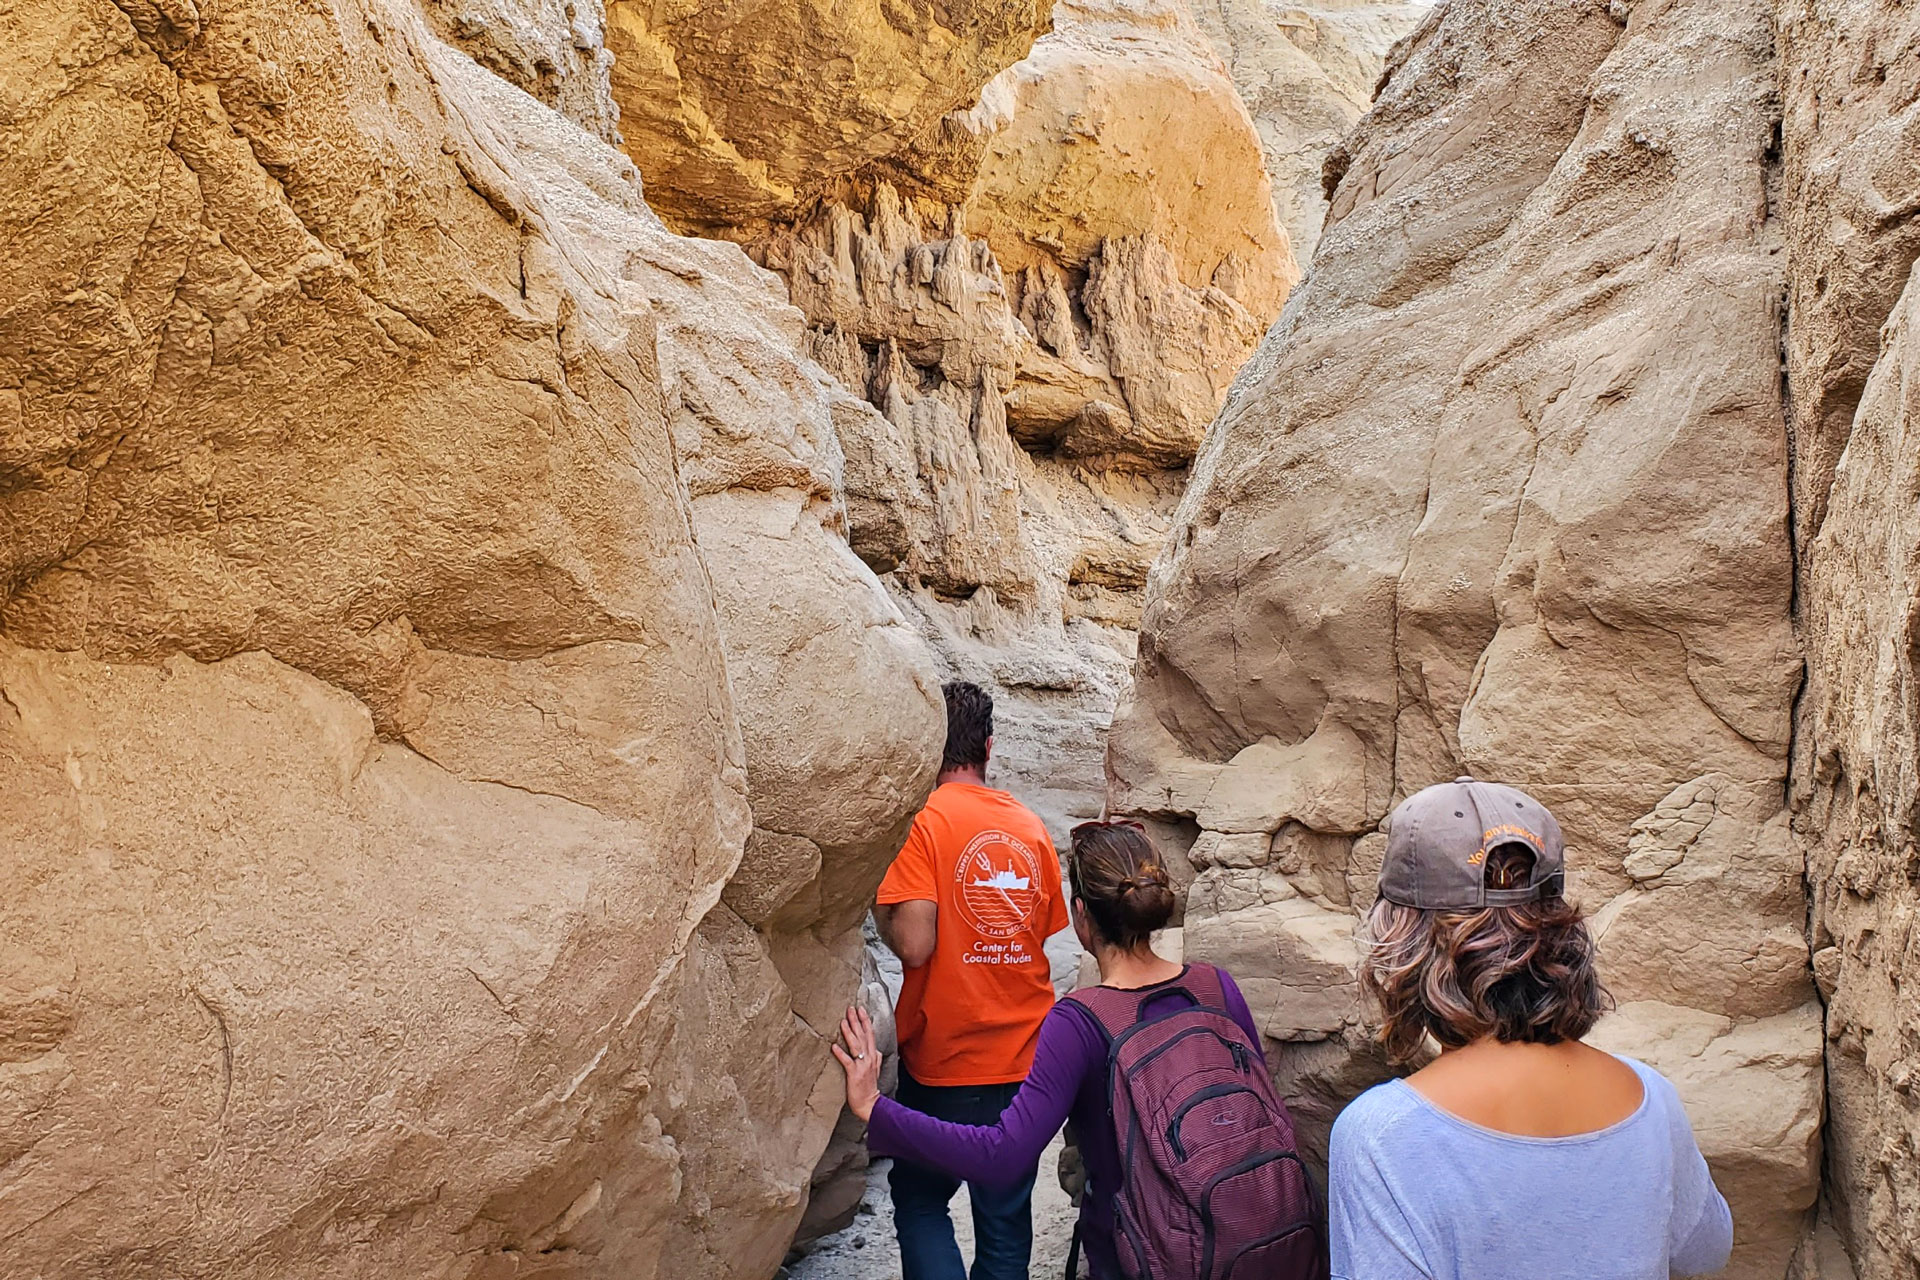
(1507, 494)
(1044, 287)
(1307, 73)
(1851, 187)
(423, 851)
(740, 112)
(1047, 344)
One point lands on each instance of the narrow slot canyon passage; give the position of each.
(490, 492)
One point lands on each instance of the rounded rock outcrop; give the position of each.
(411, 866)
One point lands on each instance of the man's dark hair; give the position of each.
(969, 725)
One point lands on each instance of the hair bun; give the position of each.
(1122, 881)
(1150, 876)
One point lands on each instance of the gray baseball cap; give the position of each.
(1438, 840)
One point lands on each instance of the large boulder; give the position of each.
(1506, 493)
(1122, 192)
(398, 677)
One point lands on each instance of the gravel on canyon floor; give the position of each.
(867, 1251)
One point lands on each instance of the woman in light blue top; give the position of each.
(1519, 1152)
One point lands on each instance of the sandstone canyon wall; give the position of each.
(1047, 350)
(425, 574)
(1584, 460)
(1850, 79)
(1039, 287)
(739, 114)
(1307, 73)
(1046, 290)
(1507, 493)
(467, 652)
(422, 572)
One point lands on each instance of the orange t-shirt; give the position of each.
(972, 1013)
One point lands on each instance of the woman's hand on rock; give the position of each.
(861, 1060)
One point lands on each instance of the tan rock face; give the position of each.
(1858, 792)
(1507, 494)
(1046, 350)
(1307, 73)
(739, 112)
(391, 515)
(1855, 766)
(1851, 177)
(554, 49)
(1850, 180)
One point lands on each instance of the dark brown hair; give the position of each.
(1521, 973)
(1120, 881)
(969, 725)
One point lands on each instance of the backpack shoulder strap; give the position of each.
(1203, 982)
(1113, 1011)
(1116, 1010)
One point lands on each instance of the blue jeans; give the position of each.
(1002, 1217)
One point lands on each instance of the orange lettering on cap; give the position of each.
(1487, 840)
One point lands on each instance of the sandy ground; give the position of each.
(866, 1250)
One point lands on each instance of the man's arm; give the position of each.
(909, 929)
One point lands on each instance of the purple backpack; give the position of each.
(1211, 1187)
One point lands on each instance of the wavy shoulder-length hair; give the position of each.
(1522, 973)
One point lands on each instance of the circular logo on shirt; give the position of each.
(997, 884)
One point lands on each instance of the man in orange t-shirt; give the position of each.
(966, 906)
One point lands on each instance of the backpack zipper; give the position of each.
(1207, 1094)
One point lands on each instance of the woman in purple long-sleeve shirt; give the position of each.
(1121, 896)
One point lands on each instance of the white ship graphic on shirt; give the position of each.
(999, 889)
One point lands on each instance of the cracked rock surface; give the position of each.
(1584, 460)
(1507, 493)
(418, 569)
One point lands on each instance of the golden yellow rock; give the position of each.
(738, 112)
(1123, 124)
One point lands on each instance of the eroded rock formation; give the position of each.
(1850, 82)
(554, 49)
(423, 574)
(1045, 289)
(741, 112)
(1307, 73)
(1047, 342)
(1508, 494)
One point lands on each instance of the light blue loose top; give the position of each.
(1417, 1192)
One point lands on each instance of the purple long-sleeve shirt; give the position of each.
(1068, 1082)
